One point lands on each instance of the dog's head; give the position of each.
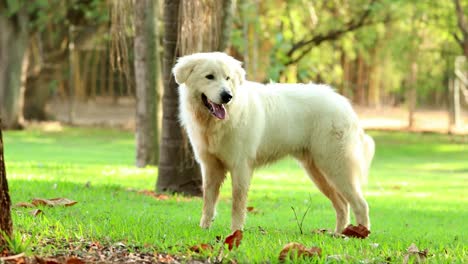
(212, 78)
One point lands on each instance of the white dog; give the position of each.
(236, 125)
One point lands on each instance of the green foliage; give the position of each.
(17, 243)
(415, 191)
(394, 32)
(52, 12)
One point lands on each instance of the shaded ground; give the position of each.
(121, 113)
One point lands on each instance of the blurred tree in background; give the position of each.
(362, 47)
(190, 26)
(377, 53)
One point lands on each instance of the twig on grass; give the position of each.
(299, 224)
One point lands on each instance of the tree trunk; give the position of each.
(13, 44)
(412, 93)
(463, 26)
(361, 81)
(225, 25)
(71, 76)
(178, 171)
(146, 85)
(5, 202)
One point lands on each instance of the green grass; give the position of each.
(417, 193)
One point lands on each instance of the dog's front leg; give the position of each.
(213, 176)
(240, 186)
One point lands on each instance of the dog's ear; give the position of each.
(183, 68)
(239, 72)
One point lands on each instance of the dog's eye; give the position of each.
(228, 78)
(210, 76)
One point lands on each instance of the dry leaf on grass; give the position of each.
(356, 231)
(74, 260)
(166, 259)
(252, 210)
(201, 248)
(36, 212)
(24, 205)
(53, 202)
(295, 250)
(414, 254)
(234, 239)
(157, 196)
(17, 258)
(46, 260)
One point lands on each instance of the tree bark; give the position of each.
(412, 94)
(226, 25)
(5, 202)
(146, 84)
(13, 44)
(178, 171)
(463, 26)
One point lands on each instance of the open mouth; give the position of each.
(217, 110)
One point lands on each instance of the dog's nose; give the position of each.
(226, 97)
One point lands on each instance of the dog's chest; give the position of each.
(206, 134)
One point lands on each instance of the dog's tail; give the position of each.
(368, 153)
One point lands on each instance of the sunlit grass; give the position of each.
(416, 191)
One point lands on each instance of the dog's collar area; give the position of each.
(215, 109)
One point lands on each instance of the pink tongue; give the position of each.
(218, 110)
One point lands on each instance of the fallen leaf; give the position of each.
(36, 212)
(157, 196)
(74, 260)
(201, 248)
(295, 250)
(46, 260)
(414, 254)
(165, 259)
(24, 205)
(53, 202)
(16, 258)
(356, 231)
(234, 239)
(252, 210)
(94, 246)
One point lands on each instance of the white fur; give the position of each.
(264, 123)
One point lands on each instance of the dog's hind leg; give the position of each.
(213, 173)
(240, 186)
(345, 175)
(338, 201)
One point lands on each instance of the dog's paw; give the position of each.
(204, 223)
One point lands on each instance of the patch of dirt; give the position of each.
(121, 113)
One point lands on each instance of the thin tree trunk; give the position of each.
(178, 171)
(5, 202)
(71, 76)
(146, 84)
(412, 94)
(361, 84)
(13, 45)
(225, 25)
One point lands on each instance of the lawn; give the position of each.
(417, 193)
